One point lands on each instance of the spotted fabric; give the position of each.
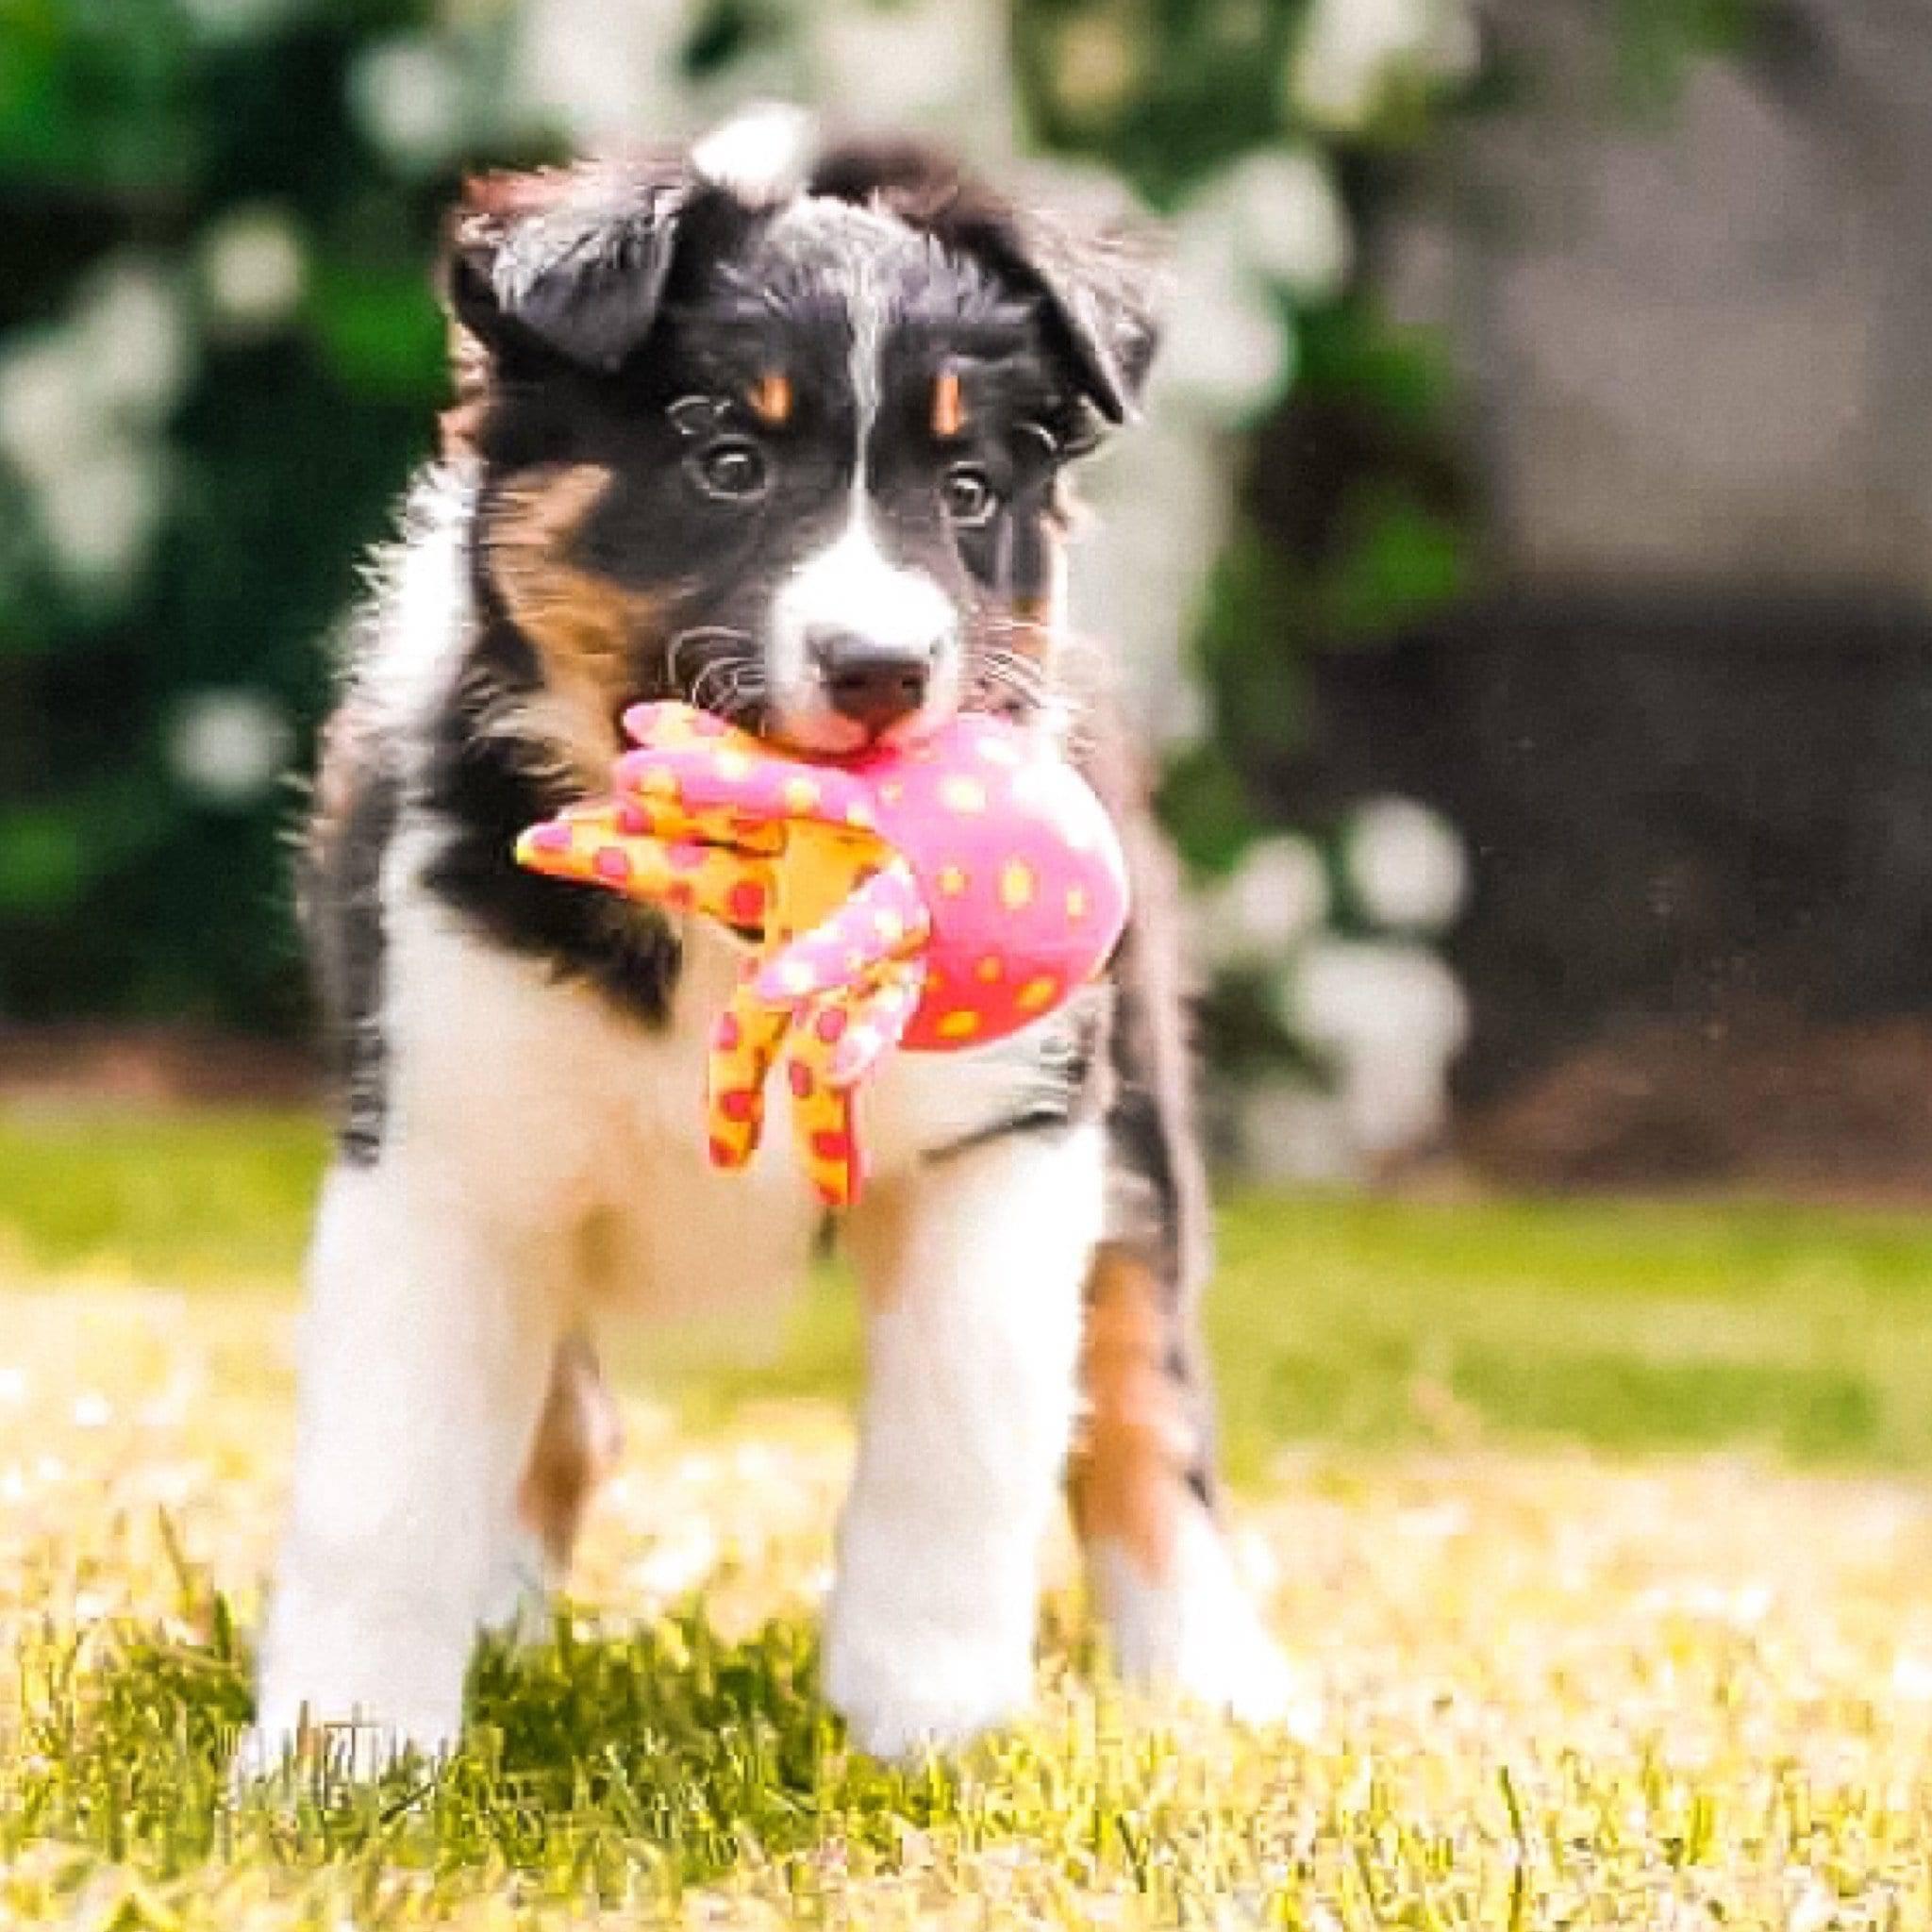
(937, 896)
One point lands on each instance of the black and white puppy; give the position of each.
(786, 437)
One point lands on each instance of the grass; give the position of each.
(1598, 1530)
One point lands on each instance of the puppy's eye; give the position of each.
(968, 496)
(732, 469)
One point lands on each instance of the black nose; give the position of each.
(872, 682)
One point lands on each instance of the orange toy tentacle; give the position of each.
(745, 1042)
(834, 1041)
(872, 1019)
(610, 846)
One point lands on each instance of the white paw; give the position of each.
(1195, 1634)
(902, 1697)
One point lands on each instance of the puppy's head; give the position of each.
(784, 437)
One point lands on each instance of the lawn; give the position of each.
(1602, 1532)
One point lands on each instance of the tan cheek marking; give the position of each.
(1125, 1475)
(584, 627)
(770, 399)
(948, 405)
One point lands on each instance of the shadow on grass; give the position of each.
(601, 1767)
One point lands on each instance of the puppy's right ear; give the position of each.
(569, 262)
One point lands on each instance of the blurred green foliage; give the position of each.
(196, 539)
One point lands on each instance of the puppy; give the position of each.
(787, 437)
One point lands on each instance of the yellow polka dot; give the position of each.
(1076, 902)
(659, 781)
(952, 880)
(797, 978)
(1016, 885)
(889, 925)
(891, 791)
(859, 814)
(962, 1023)
(861, 1043)
(732, 765)
(854, 962)
(801, 794)
(991, 968)
(996, 751)
(964, 794)
(1038, 993)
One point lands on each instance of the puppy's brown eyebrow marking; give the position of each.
(948, 404)
(771, 398)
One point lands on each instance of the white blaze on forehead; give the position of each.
(853, 585)
(854, 249)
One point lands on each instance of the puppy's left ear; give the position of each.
(1104, 290)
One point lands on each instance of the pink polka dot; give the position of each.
(726, 1033)
(801, 1080)
(722, 1153)
(828, 1145)
(551, 838)
(612, 865)
(829, 1023)
(745, 902)
(633, 821)
(684, 855)
(739, 1104)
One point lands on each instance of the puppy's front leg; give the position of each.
(971, 1272)
(426, 1353)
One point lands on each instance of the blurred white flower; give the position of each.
(253, 267)
(1288, 221)
(48, 409)
(602, 73)
(229, 745)
(1137, 568)
(1392, 1019)
(1228, 352)
(100, 508)
(1274, 899)
(407, 93)
(1408, 865)
(1351, 51)
(1346, 993)
(133, 336)
(937, 65)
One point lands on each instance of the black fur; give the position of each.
(339, 893)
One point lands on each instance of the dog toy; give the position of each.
(934, 896)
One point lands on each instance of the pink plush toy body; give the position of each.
(940, 895)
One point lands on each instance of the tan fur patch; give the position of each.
(585, 628)
(770, 400)
(948, 404)
(577, 1440)
(1125, 1475)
